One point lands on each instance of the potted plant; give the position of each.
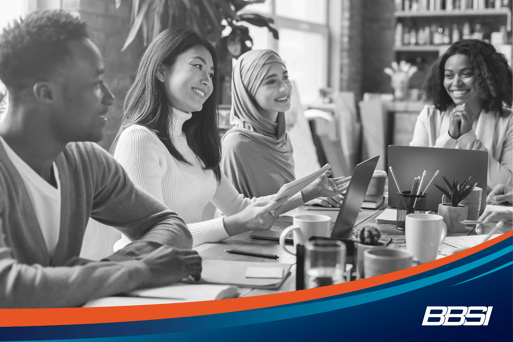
(368, 238)
(219, 21)
(450, 208)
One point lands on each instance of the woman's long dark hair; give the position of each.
(146, 103)
(491, 69)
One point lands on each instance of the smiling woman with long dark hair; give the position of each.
(470, 90)
(169, 144)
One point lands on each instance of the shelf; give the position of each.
(455, 13)
(458, 13)
(420, 48)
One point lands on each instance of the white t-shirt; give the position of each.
(45, 198)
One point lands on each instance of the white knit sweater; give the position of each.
(186, 189)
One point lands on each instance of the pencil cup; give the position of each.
(409, 204)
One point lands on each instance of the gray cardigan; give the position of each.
(92, 184)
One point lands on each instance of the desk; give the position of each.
(244, 241)
(216, 251)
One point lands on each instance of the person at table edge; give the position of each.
(470, 88)
(52, 178)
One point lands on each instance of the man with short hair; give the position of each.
(52, 179)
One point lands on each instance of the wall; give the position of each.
(108, 29)
(366, 40)
(377, 42)
(351, 47)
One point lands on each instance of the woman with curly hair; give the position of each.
(470, 90)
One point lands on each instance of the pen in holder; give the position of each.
(408, 204)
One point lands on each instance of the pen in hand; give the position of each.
(254, 254)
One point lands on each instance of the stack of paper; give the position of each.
(236, 273)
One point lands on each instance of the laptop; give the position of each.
(350, 208)
(410, 161)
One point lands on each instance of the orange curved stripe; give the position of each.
(69, 316)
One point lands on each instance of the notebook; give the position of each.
(235, 273)
(188, 292)
(410, 161)
(350, 208)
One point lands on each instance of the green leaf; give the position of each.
(137, 24)
(464, 184)
(444, 191)
(467, 191)
(135, 9)
(447, 182)
(158, 12)
(227, 10)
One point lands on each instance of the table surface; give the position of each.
(216, 251)
(244, 241)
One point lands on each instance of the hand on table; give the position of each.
(500, 194)
(169, 265)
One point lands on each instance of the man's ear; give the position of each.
(160, 73)
(43, 92)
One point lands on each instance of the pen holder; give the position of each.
(409, 204)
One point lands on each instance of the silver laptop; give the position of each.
(350, 208)
(410, 161)
(353, 199)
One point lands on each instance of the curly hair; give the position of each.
(34, 48)
(491, 69)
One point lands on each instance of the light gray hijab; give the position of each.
(262, 161)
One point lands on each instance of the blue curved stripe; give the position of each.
(308, 308)
(491, 271)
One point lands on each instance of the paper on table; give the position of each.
(188, 292)
(125, 301)
(452, 243)
(234, 273)
(264, 272)
(292, 188)
(387, 216)
(491, 207)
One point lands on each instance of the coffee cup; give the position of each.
(304, 227)
(424, 233)
(376, 186)
(383, 260)
(361, 248)
(473, 203)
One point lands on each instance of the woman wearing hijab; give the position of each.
(257, 152)
(169, 145)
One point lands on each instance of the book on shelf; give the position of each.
(373, 202)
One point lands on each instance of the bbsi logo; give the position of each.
(457, 315)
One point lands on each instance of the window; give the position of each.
(12, 10)
(303, 43)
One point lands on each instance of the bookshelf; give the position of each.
(425, 28)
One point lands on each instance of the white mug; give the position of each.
(424, 234)
(378, 261)
(304, 227)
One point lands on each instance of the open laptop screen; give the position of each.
(354, 197)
